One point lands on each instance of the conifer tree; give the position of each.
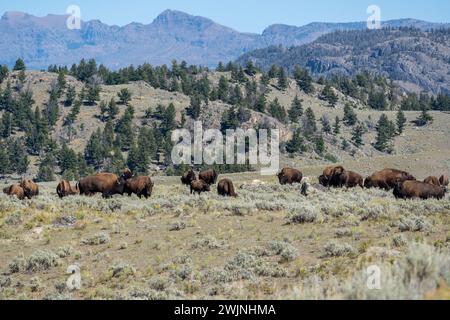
(296, 144)
(357, 135)
(194, 108)
(385, 132)
(19, 65)
(124, 96)
(350, 117)
(337, 126)
(296, 110)
(282, 79)
(277, 111)
(401, 121)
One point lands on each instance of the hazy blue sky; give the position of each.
(243, 15)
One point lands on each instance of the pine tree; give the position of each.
(6, 125)
(94, 151)
(401, 121)
(67, 161)
(113, 110)
(319, 145)
(329, 95)
(350, 117)
(168, 123)
(296, 144)
(345, 145)
(326, 127)
(250, 68)
(296, 110)
(261, 104)
(46, 172)
(337, 126)
(37, 134)
(220, 67)
(309, 122)
(424, 118)
(304, 80)
(19, 65)
(124, 96)
(385, 132)
(18, 157)
(357, 135)
(277, 111)
(4, 71)
(377, 100)
(4, 159)
(70, 96)
(273, 72)
(194, 108)
(73, 114)
(282, 79)
(124, 130)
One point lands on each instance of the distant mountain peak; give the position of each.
(169, 17)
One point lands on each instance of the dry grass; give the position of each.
(270, 242)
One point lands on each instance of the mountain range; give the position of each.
(44, 41)
(416, 60)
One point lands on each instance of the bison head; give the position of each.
(324, 181)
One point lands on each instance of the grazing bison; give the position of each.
(64, 189)
(444, 180)
(107, 184)
(387, 179)
(208, 176)
(330, 176)
(411, 189)
(141, 186)
(188, 177)
(289, 176)
(349, 179)
(15, 191)
(30, 188)
(432, 180)
(225, 188)
(199, 186)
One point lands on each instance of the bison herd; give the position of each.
(403, 184)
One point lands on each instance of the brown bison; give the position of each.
(188, 177)
(289, 176)
(330, 176)
(444, 180)
(199, 186)
(411, 189)
(349, 179)
(432, 180)
(108, 184)
(387, 179)
(141, 186)
(208, 176)
(30, 188)
(225, 188)
(15, 191)
(64, 189)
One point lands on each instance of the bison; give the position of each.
(289, 176)
(349, 179)
(387, 179)
(444, 180)
(108, 184)
(199, 186)
(330, 176)
(141, 186)
(64, 189)
(30, 188)
(225, 188)
(411, 189)
(188, 177)
(15, 191)
(432, 180)
(208, 176)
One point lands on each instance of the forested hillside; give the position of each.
(71, 121)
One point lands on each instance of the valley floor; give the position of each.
(270, 242)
